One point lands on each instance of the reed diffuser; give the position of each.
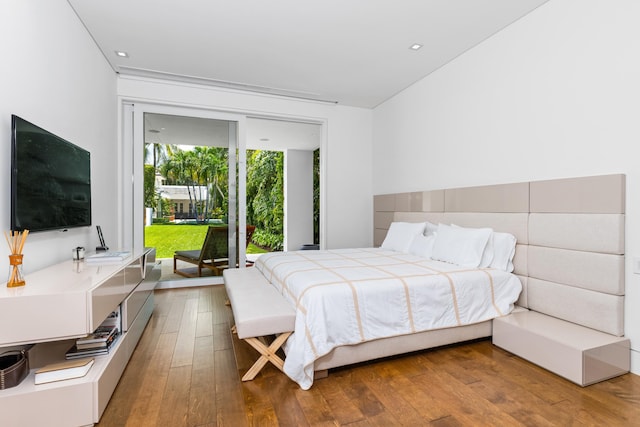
(16, 240)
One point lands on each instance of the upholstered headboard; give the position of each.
(570, 233)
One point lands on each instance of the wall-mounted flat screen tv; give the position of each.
(50, 180)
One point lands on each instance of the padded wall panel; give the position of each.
(591, 194)
(384, 203)
(403, 202)
(433, 217)
(429, 201)
(419, 201)
(415, 202)
(587, 270)
(514, 223)
(382, 220)
(522, 299)
(596, 310)
(582, 232)
(378, 236)
(520, 266)
(488, 198)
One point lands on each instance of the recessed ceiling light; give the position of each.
(122, 54)
(264, 139)
(415, 46)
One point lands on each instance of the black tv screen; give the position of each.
(50, 180)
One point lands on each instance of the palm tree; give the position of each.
(215, 169)
(178, 170)
(203, 167)
(159, 153)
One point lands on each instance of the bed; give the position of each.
(351, 296)
(559, 227)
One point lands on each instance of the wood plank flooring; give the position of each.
(184, 373)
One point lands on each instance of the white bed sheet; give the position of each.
(348, 296)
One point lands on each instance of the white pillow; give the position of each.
(422, 246)
(401, 234)
(499, 252)
(487, 255)
(462, 246)
(504, 248)
(430, 228)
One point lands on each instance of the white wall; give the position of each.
(346, 159)
(298, 199)
(53, 75)
(556, 94)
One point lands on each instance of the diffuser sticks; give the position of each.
(16, 240)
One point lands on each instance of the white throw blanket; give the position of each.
(349, 296)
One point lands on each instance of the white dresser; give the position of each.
(59, 304)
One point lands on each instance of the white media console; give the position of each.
(57, 305)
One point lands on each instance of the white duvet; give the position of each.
(348, 296)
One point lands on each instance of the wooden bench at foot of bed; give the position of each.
(580, 354)
(259, 311)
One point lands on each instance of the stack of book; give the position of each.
(113, 319)
(100, 341)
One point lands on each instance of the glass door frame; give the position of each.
(131, 232)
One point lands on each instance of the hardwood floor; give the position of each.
(184, 373)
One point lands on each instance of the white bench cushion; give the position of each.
(258, 308)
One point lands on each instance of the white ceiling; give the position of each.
(353, 52)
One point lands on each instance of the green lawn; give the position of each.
(183, 237)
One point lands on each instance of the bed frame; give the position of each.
(569, 256)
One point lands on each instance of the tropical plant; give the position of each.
(207, 167)
(265, 197)
(150, 186)
(199, 169)
(214, 169)
(157, 153)
(316, 196)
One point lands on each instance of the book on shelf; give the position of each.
(66, 370)
(101, 335)
(106, 257)
(96, 345)
(112, 319)
(75, 353)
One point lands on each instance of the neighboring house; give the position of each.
(182, 199)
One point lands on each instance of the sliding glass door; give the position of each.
(188, 174)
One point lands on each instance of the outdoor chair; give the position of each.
(214, 254)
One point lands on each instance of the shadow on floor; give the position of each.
(167, 274)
